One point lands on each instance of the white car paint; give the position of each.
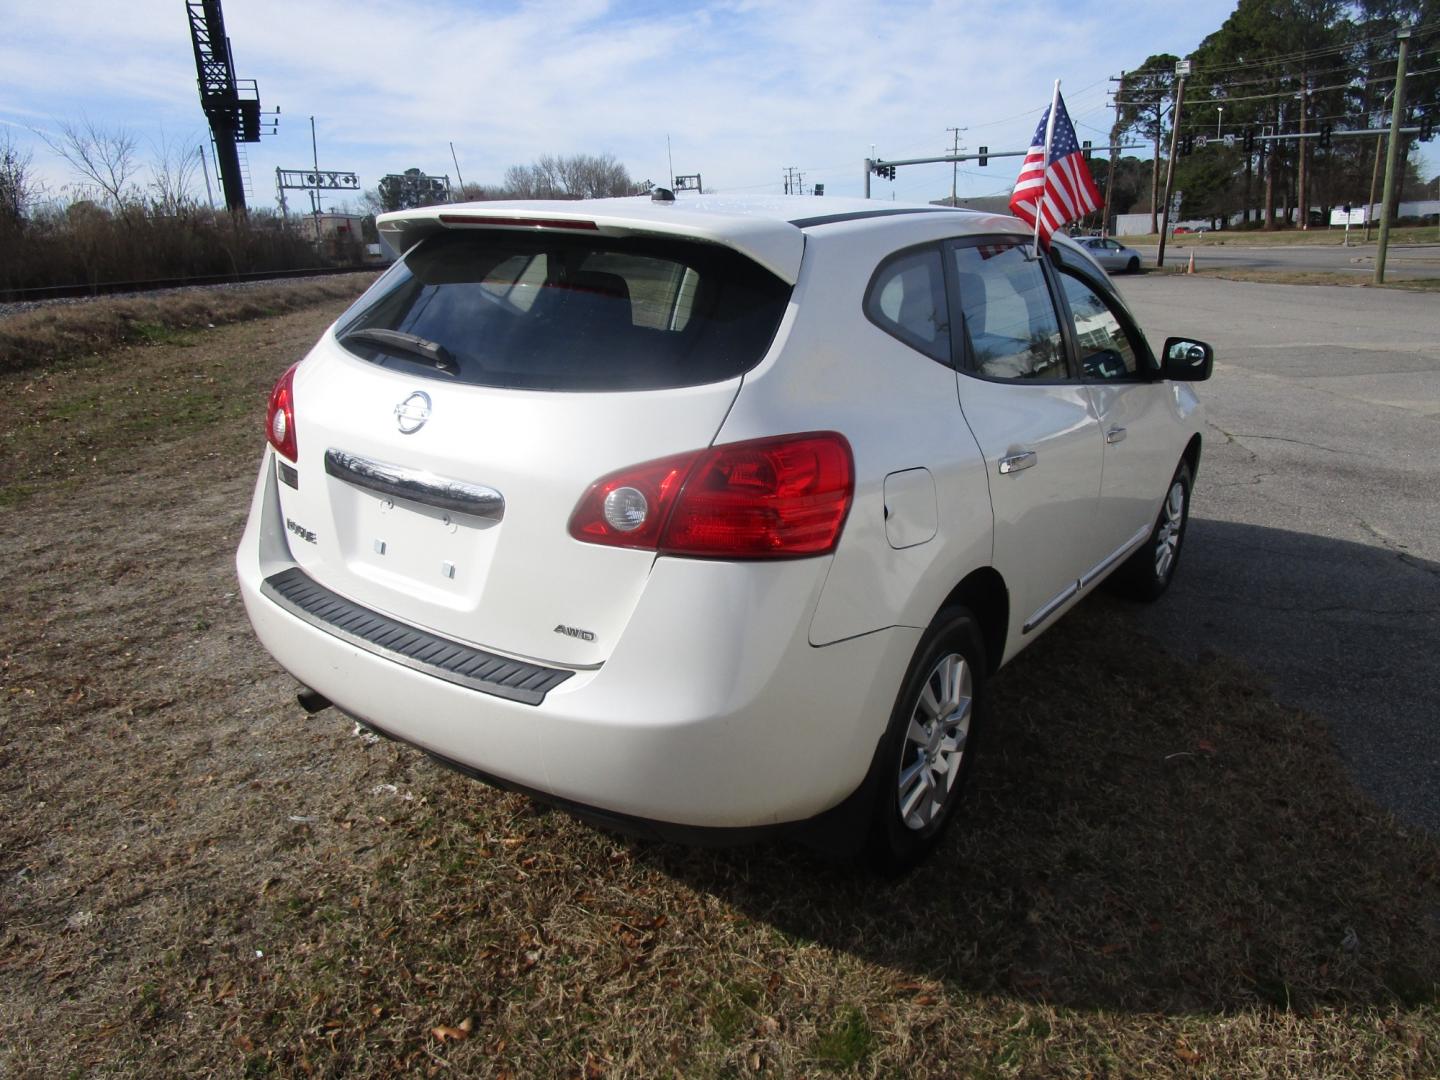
(710, 692)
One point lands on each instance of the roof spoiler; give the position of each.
(776, 245)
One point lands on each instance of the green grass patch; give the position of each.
(12, 495)
(847, 1043)
(160, 334)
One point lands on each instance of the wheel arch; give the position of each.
(1191, 456)
(984, 593)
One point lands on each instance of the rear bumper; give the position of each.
(713, 709)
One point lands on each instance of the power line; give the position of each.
(1306, 54)
(1352, 85)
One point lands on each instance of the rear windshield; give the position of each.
(556, 312)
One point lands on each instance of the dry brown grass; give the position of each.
(61, 332)
(1316, 237)
(1160, 872)
(1302, 277)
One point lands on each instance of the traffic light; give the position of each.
(984, 155)
(1085, 149)
(892, 173)
(1265, 148)
(1187, 145)
(1249, 141)
(1325, 130)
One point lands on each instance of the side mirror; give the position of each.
(1187, 360)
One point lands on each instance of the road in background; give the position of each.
(1401, 262)
(1314, 546)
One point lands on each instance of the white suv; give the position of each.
(711, 517)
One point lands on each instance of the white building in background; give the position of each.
(1139, 224)
(344, 227)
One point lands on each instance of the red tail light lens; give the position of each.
(784, 497)
(280, 419)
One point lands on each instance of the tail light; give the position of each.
(784, 497)
(280, 419)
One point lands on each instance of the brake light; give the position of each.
(782, 497)
(280, 419)
(518, 222)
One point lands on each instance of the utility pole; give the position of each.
(954, 165)
(315, 194)
(1374, 183)
(1302, 197)
(1182, 68)
(460, 179)
(1114, 153)
(1387, 207)
(209, 193)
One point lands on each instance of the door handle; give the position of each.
(1014, 463)
(1115, 434)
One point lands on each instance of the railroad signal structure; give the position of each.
(315, 180)
(414, 188)
(231, 105)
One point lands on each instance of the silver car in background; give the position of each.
(1110, 254)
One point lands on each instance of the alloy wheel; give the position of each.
(1167, 541)
(935, 741)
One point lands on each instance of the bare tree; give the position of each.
(574, 176)
(173, 167)
(17, 187)
(102, 157)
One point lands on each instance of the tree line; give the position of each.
(1280, 67)
(136, 211)
(551, 176)
(131, 213)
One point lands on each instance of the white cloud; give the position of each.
(743, 87)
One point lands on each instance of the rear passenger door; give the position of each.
(1033, 421)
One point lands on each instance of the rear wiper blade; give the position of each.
(399, 341)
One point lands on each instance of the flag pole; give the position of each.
(1045, 163)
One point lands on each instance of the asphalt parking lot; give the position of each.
(1314, 545)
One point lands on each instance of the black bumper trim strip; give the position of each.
(516, 680)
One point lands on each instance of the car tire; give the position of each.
(1145, 575)
(1133, 266)
(926, 755)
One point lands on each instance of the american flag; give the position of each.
(1064, 192)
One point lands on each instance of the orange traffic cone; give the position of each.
(1191, 268)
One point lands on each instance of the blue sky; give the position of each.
(742, 88)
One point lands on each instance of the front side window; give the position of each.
(1009, 316)
(906, 299)
(1106, 351)
(546, 311)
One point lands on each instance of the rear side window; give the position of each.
(906, 299)
(554, 312)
